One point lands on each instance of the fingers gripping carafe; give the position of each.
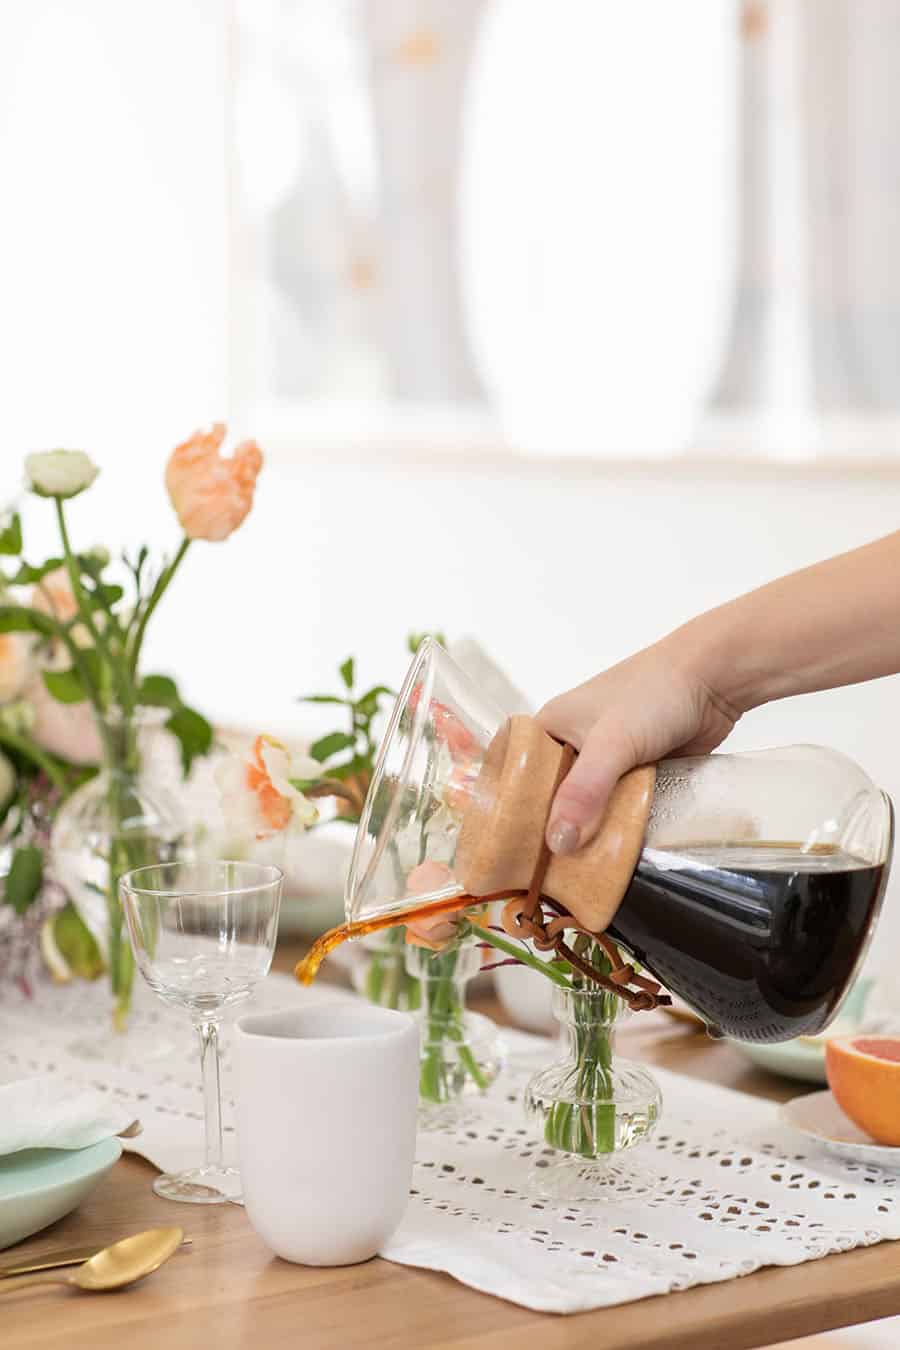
(748, 884)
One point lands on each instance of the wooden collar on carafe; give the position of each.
(581, 893)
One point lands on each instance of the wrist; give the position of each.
(715, 657)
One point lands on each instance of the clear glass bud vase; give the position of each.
(591, 1105)
(118, 820)
(380, 971)
(461, 1051)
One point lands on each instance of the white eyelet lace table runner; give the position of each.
(733, 1190)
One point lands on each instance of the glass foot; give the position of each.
(564, 1176)
(201, 1186)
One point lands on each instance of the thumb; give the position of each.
(581, 799)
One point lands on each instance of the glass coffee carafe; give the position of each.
(748, 884)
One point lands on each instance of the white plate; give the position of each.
(40, 1185)
(818, 1116)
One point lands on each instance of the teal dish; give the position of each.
(804, 1058)
(40, 1185)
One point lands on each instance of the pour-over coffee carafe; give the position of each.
(748, 884)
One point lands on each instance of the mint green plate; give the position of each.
(40, 1185)
(804, 1058)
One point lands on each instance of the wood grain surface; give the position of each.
(227, 1291)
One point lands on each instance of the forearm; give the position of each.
(832, 624)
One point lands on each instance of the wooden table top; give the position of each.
(228, 1291)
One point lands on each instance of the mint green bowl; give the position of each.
(40, 1185)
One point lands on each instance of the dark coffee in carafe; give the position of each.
(762, 940)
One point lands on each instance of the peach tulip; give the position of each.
(212, 495)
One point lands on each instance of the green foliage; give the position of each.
(20, 619)
(31, 576)
(74, 685)
(66, 686)
(76, 944)
(346, 753)
(158, 691)
(331, 744)
(11, 534)
(192, 731)
(415, 640)
(23, 881)
(351, 753)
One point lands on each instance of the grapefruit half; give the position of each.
(864, 1075)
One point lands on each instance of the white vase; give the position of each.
(527, 998)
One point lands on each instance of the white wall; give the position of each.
(558, 569)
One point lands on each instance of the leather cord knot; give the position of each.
(523, 917)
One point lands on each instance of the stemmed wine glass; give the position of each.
(203, 935)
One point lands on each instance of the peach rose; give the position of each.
(433, 932)
(15, 664)
(446, 725)
(65, 729)
(53, 595)
(212, 495)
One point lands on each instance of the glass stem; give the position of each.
(208, 1033)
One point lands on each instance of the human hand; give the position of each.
(652, 705)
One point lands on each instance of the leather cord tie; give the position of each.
(523, 917)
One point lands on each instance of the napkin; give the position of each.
(46, 1112)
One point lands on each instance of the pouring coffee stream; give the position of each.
(748, 884)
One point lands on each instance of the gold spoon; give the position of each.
(113, 1267)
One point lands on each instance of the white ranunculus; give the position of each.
(7, 781)
(60, 473)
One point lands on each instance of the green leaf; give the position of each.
(331, 744)
(11, 535)
(104, 597)
(158, 691)
(19, 619)
(415, 640)
(193, 732)
(367, 705)
(76, 944)
(29, 575)
(23, 881)
(66, 686)
(346, 671)
(323, 698)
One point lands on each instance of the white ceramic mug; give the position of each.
(326, 1117)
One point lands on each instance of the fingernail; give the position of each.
(563, 837)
